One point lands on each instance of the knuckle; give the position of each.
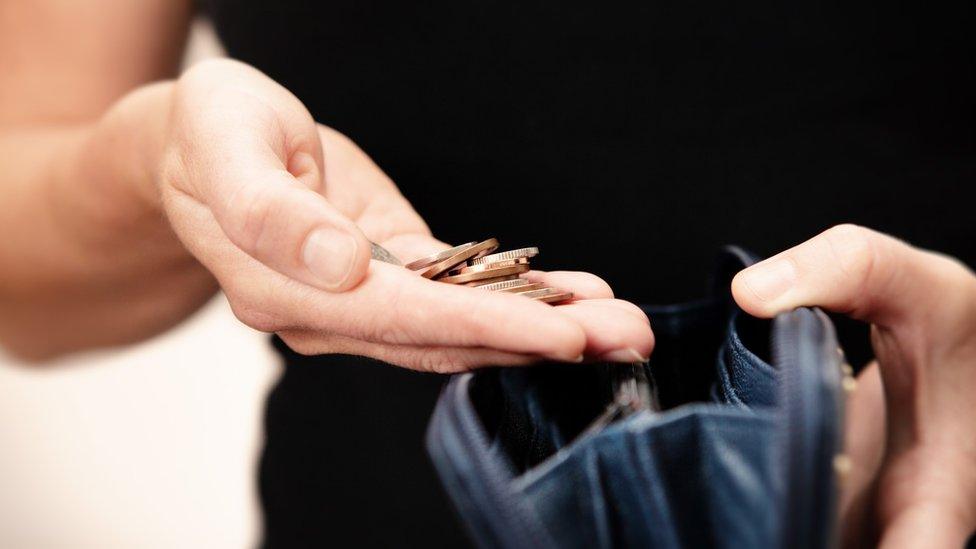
(397, 322)
(958, 278)
(387, 333)
(383, 333)
(248, 215)
(969, 280)
(213, 93)
(332, 136)
(209, 72)
(171, 168)
(481, 320)
(437, 362)
(254, 316)
(854, 250)
(856, 235)
(301, 343)
(793, 258)
(602, 288)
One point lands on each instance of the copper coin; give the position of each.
(540, 292)
(526, 288)
(489, 281)
(548, 295)
(485, 266)
(483, 247)
(502, 286)
(504, 256)
(555, 298)
(418, 264)
(490, 273)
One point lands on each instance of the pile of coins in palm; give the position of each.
(477, 264)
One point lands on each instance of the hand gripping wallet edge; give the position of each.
(702, 473)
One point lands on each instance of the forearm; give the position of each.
(87, 257)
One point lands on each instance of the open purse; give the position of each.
(727, 437)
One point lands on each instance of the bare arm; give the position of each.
(85, 258)
(128, 208)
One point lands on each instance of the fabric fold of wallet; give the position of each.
(740, 455)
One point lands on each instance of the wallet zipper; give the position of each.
(467, 428)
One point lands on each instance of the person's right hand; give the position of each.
(282, 212)
(911, 422)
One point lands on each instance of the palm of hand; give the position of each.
(612, 329)
(249, 179)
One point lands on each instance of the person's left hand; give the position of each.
(615, 330)
(911, 432)
(282, 211)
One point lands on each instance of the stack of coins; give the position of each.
(477, 264)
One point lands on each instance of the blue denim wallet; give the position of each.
(740, 454)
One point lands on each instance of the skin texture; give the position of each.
(132, 202)
(132, 194)
(910, 426)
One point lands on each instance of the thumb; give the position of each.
(255, 161)
(846, 269)
(295, 231)
(922, 309)
(273, 217)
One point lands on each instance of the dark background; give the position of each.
(629, 139)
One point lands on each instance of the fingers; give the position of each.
(847, 269)
(424, 312)
(398, 307)
(409, 247)
(359, 189)
(616, 331)
(249, 150)
(864, 443)
(442, 360)
(289, 228)
(394, 305)
(583, 285)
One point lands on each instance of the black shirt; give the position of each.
(596, 130)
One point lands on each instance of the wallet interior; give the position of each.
(530, 413)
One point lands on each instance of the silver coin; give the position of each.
(504, 256)
(526, 288)
(487, 281)
(486, 266)
(540, 292)
(503, 285)
(380, 253)
(429, 260)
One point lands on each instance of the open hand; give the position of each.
(282, 211)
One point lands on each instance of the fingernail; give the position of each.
(769, 279)
(329, 255)
(623, 355)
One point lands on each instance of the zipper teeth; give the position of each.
(783, 340)
(474, 439)
(801, 452)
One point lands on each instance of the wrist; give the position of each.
(936, 481)
(108, 181)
